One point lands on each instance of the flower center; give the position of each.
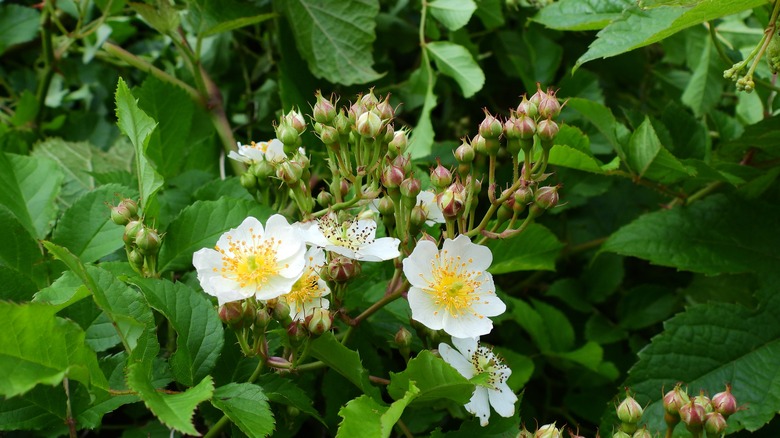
(306, 289)
(344, 235)
(262, 146)
(485, 361)
(250, 263)
(453, 285)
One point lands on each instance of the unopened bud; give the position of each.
(248, 181)
(441, 177)
(342, 269)
(131, 230)
(693, 416)
(403, 338)
(703, 401)
(385, 110)
(620, 434)
(642, 433)
(724, 402)
(281, 311)
(715, 424)
(136, 259)
(399, 143)
(369, 100)
(410, 188)
(329, 135)
(450, 203)
(319, 321)
(296, 120)
(629, 411)
(342, 123)
(232, 314)
(464, 153)
(479, 145)
(546, 197)
(404, 163)
(417, 217)
(296, 333)
(536, 98)
(262, 318)
(369, 124)
(324, 111)
(548, 431)
(490, 128)
(547, 130)
(528, 108)
(147, 240)
(392, 176)
(549, 107)
(386, 206)
(289, 171)
(324, 199)
(120, 215)
(287, 134)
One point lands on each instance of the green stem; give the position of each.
(68, 410)
(48, 61)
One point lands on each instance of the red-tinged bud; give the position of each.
(674, 400)
(355, 111)
(369, 124)
(289, 171)
(703, 401)
(296, 333)
(324, 110)
(693, 416)
(450, 202)
(546, 197)
(410, 188)
(490, 128)
(232, 314)
(131, 230)
(319, 322)
(386, 206)
(528, 108)
(296, 120)
(343, 269)
(548, 431)
(724, 402)
(324, 199)
(441, 177)
(428, 237)
(262, 318)
(536, 98)
(329, 135)
(479, 144)
(281, 311)
(342, 123)
(147, 240)
(547, 130)
(715, 424)
(392, 176)
(524, 195)
(464, 153)
(404, 163)
(120, 215)
(403, 338)
(344, 187)
(399, 143)
(629, 411)
(385, 110)
(549, 107)
(642, 433)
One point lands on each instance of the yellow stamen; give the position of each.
(454, 286)
(250, 263)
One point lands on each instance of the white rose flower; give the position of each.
(272, 151)
(307, 293)
(354, 239)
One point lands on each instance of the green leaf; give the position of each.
(581, 14)
(19, 252)
(566, 156)
(589, 355)
(18, 24)
(200, 334)
(706, 85)
(649, 159)
(86, 228)
(453, 14)
(421, 142)
(24, 362)
(335, 37)
(344, 361)
(200, 225)
(603, 119)
(173, 410)
(638, 27)
(42, 408)
(365, 417)
(764, 135)
(530, 56)
(39, 180)
(711, 236)
(536, 248)
(435, 378)
(11, 196)
(237, 23)
(284, 391)
(138, 126)
(709, 345)
(491, 14)
(247, 407)
(530, 320)
(162, 16)
(456, 62)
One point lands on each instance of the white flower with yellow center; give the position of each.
(307, 293)
(272, 151)
(451, 289)
(249, 261)
(472, 359)
(354, 239)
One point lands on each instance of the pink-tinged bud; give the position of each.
(355, 111)
(404, 163)
(548, 431)
(464, 153)
(528, 108)
(262, 318)
(324, 110)
(675, 399)
(385, 110)
(403, 338)
(232, 314)
(524, 195)
(147, 240)
(386, 206)
(629, 411)
(547, 130)
(450, 202)
(536, 98)
(642, 433)
(441, 177)
(399, 143)
(703, 401)
(526, 126)
(715, 424)
(120, 215)
(344, 186)
(342, 269)
(546, 197)
(369, 124)
(417, 217)
(289, 171)
(281, 311)
(296, 120)
(693, 416)
(369, 100)
(342, 123)
(479, 144)
(329, 135)
(490, 127)
(131, 230)
(410, 188)
(392, 176)
(549, 107)
(725, 403)
(319, 321)
(510, 129)
(296, 333)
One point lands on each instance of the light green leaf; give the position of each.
(706, 85)
(138, 126)
(11, 196)
(173, 410)
(434, 377)
(566, 156)
(456, 62)
(24, 362)
(247, 407)
(709, 345)
(86, 228)
(536, 248)
(589, 355)
(638, 27)
(603, 119)
(200, 225)
(649, 159)
(237, 23)
(162, 16)
(39, 180)
(711, 236)
(365, 417)
(344, 361)
(18, 24)
(581, 14)
(335, 37)
(200, 334)
(453, 14)
(421, 142)
(19, 252)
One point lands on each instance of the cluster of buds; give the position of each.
(141, 241)
(742, 75)
(629, 412)
(699, 413)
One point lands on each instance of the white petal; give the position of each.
(315, 257)
(503, 400)
(479, 256)
(342, 251)
(417, 267)
(489, 305)
(467, 346)
(233, 155)
(275, 151)
(457, 361)
(363, 230)
(466, 325)
(242, 232)
(479, 405)
(312, 234)
(384, 248)
(275, 287)
(424, 310)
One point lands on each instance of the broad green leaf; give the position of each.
(435, 378)
(764, 135)
(453, 14)
(638, 27)
(589, 355)
(42, 408)
(581, 14)
(530, 320)
(335, 37)
(456, 62)
(247, 407)
(706, 85)
(491, 14)
(86, 228)
(566, 156)
(18, 24)
(530, 55)
(200, 225)
(536, 248)
(200, 335)
(284, 391)
(19, 252)
(648, 158)
(711, 236)
(709, 345)
(162, 16)
(559, 329)
(365, 417)
(344, 361)
(421, 142)
(24, 362)
(11, 196)
(173, 410)
(603, 119)
(39, 180)
(138, 126)
(237, 23)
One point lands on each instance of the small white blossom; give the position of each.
(451, 289)
(272, 151)
(307, 293)
(472, 359)
(249, 261)
(433, 214)
(354, 239)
